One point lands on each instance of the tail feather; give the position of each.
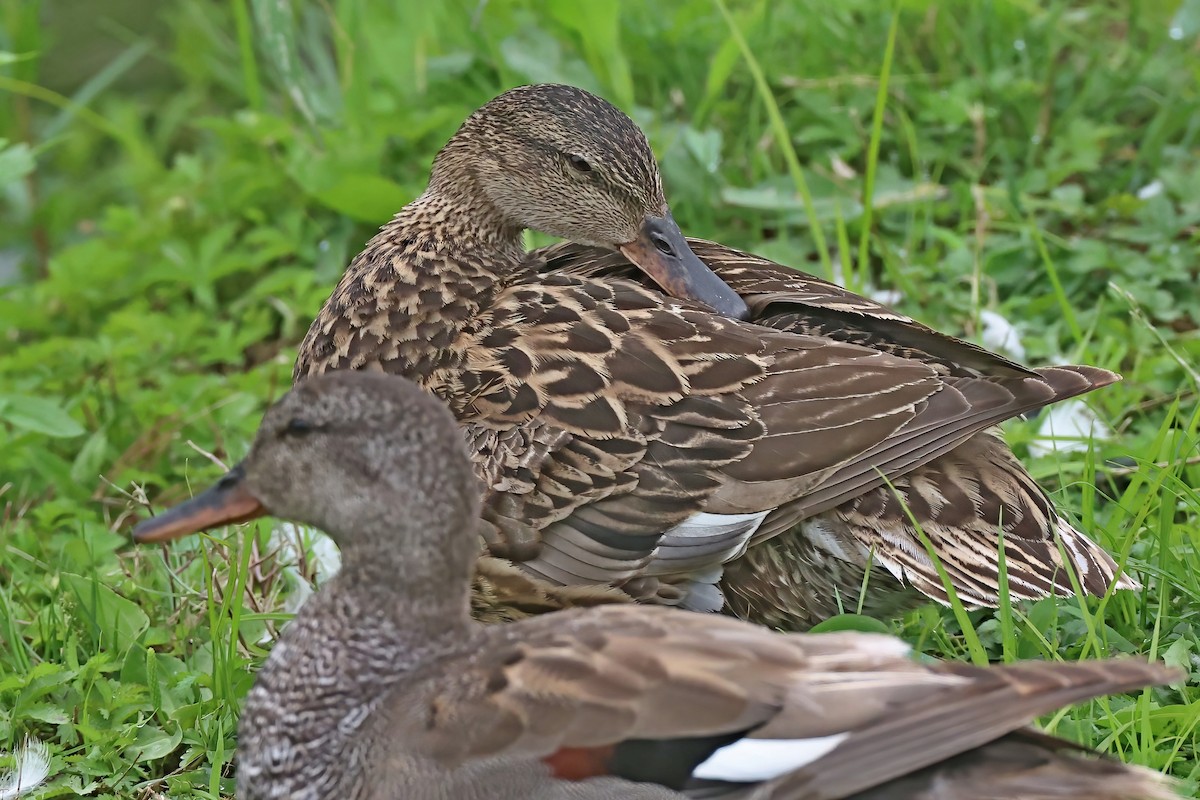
(1018, 768)
(980, 724)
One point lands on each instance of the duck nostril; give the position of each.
(661, 243)
(232, 478)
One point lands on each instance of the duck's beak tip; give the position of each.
(225, 503)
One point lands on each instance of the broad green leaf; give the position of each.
(154, 743)
(1179, 654)
(44, 712)
(39, 415)
(115, 621)
(368, 198)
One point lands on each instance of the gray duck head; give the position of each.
(369, 458)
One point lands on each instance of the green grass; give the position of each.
(181, 190)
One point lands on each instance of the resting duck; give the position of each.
(640, 439)
(383, 687)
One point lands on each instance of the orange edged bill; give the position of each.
(226, 502)
(662, 252)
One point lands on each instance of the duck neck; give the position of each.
(424, 277)
(459, 221)
(378, 623)
(331, 672)
(397, 615)
(392, 602)
(423, 583)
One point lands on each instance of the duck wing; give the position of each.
(960, 494)
(697, 704)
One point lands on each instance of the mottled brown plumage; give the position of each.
(962, 499)
(626, 438)
(383, 687)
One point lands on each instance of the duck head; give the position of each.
(369, 458)
(560, 160)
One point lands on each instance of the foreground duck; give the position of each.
(631, 439)
(383, 687)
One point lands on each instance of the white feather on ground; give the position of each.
(30, 769)
(1000, 334)
(1068, 427)
(1152, 189)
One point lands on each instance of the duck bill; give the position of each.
(663, 253)
(225, 503)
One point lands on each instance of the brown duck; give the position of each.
(633, 439)
(383, 687)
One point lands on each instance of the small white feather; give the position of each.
(1000, 334)
(31, 768)
(749, 760)
(824, 537)
(1152, 189)
(319, 551)
(886, 297)
(1068, 427)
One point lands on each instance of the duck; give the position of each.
(383, 686)
(644, 431)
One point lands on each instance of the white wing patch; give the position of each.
(752, 760)
(704, 539)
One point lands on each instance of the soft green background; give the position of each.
(184, 182)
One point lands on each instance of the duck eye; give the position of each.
(298, 426)
(579, 163)
(662, 244)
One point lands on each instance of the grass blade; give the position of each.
(782, 138)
